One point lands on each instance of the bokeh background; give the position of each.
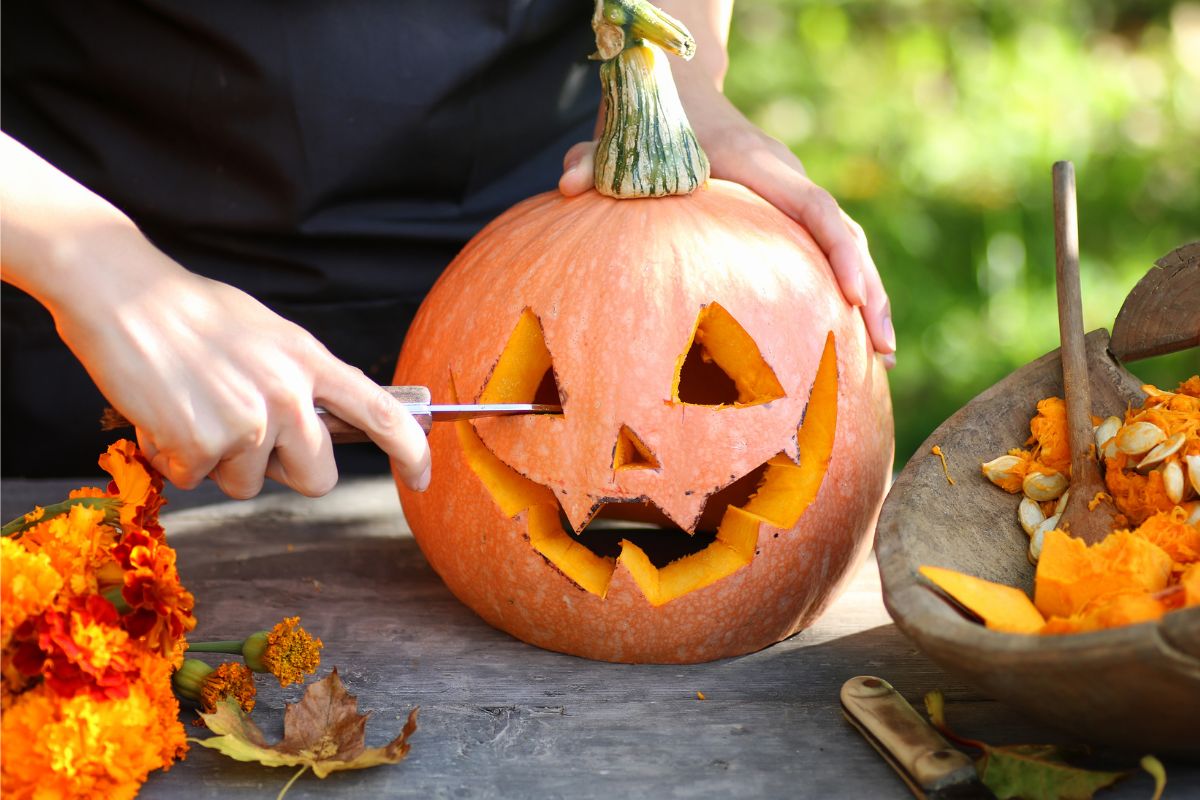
(936, 122)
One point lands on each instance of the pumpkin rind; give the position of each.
(615, 320)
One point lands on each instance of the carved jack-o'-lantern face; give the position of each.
(725, 437)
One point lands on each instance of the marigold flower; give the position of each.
(77, 544)
(160, 608)
(206, 685)
(81, 649)
(137, 484)
(28, 584)
(288, 652)
(77, 747)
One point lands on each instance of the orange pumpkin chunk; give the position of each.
(1110, 611)
(1002, 608)
(1070, 575)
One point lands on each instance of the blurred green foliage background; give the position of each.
(936, 122)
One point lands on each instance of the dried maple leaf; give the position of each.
(1029, 771)
(323, 732)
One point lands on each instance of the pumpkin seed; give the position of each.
(1193, 509)
(1173, 481)
(1061, 505)
(1193, 463)
(1139, 437)
(1039, 537)
(1030, 515)
(1001, 469)
(1044, 486)
(1106, 432)
(1162, 451)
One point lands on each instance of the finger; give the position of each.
(303, 458)
(816, 210)
(876, 311)
(577, 169)
(357, 399)
(180, 471)
(240, 475)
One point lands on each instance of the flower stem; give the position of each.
(231, 646)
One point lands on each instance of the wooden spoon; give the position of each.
(1088, 524)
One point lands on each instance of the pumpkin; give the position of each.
(725, 438)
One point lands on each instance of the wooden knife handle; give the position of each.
(922, 757)
(340, 431)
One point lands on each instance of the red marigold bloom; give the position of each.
(79, 649)
(161, 608)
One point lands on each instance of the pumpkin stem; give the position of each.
(648, 148)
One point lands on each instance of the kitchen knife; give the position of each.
(924, 760)
(416, 402)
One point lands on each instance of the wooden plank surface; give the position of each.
(503, 719)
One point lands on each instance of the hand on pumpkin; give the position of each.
(216, 383)
(740, 152)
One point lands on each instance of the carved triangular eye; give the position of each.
(631, 452)
(524, 373)
(723, 365)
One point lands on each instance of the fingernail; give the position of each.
(861, 285)
(423, 481)
(572, 166)
(889, 360)
(889, 332)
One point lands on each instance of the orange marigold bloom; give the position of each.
(161, 608)
(288, 652)
(137, 484)
(230, 679)
(76, 543)
(76, 747)
(28, 585)
(81, 649)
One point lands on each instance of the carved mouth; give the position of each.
(665, 561)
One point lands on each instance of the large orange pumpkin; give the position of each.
(725, 441)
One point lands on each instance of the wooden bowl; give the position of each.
(1136, 687)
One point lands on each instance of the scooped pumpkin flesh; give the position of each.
(1138, 572)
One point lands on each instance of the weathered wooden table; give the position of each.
(502, 719)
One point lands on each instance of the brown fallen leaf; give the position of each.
(323, 732)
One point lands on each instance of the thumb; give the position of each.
(577, 169)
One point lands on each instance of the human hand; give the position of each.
(219, 385)
(740, 152)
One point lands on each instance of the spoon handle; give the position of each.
(1070, 315)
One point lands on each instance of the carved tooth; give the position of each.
(1163, 451)
(1030, 515)
(1139, 437)
(1000, 469)
(1041, 486)
(1105, 433)
(1173, 481)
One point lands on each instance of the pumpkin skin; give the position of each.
(619, 289)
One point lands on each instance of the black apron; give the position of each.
(328, 157)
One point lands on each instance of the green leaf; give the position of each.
(1027, 771)
(324, 732)
(1034, 772)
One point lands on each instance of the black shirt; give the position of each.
(328, 157)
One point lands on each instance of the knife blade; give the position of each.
(931, 767)
(415, 400)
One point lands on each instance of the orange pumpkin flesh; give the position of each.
(725, 425)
